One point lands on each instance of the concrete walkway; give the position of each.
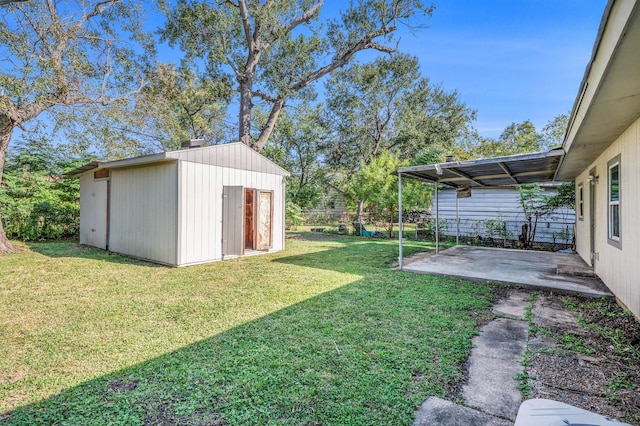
(491, 396)
(525, 268)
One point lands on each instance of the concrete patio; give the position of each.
(558, 272)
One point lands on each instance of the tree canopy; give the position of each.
(275, 50)
(66, 54)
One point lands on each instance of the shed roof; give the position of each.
(234, 155)
(490, 172)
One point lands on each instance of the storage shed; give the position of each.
(184, 207)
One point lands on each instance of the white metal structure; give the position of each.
(184, 207)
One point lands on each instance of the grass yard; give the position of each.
(322, 333)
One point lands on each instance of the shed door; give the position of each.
(265, 220)
(232, 220)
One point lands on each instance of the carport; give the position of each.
(564, 272)
(483, 173)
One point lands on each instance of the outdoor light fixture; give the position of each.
(593, 179)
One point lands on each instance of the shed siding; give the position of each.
(144, 212)
(201, 204)
(500, 203)
(618, 268)
(93, 211)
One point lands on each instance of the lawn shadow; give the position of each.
(368, 352)
(71, 248)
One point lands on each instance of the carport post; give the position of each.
(457, 222)
(435, 185)
(400, 220)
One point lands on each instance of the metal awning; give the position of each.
(484, 173)
(489, 172)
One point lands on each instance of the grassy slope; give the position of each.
(323, 333)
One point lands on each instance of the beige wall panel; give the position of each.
(144, 212)
(618, 268)
(201, 204)
(93, 211)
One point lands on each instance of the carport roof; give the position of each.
(490, 172)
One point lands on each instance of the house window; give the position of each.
(580, 202)
(332, 204)
(614, 201)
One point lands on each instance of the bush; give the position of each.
(293, 215)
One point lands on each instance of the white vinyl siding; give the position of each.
(485, 205)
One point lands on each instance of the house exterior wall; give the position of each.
(200, 201)
(144, 212)
(332, 206)
(93, 211)
(619, 268)
(504, 204)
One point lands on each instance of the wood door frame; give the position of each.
(258, 213)
(249, 231)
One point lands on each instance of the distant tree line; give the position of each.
(84, 77)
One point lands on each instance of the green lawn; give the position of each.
(322, 333)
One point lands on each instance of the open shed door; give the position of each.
(232, 221)
(264, 231)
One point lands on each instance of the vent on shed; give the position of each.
(192, 143)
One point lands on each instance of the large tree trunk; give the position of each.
(246, 105)
(5, 138)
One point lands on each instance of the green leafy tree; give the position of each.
(178, 104)
(36, 200)
(298, 144)
(65, 54)
(376, 183)
(275, 49)
(535, 204)
(553, 132)
(517, 138)
(386, 106)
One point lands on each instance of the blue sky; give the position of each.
(511, 60)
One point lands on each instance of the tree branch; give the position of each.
(246, 25)
(305, 17)
(271, 123)
(264, 96)
(340, 61)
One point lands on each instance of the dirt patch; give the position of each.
(580, 351)
(585, 352)
(122, 386)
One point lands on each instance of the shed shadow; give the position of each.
(62, 249)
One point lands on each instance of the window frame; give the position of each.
(614, 240)
(580, 201)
